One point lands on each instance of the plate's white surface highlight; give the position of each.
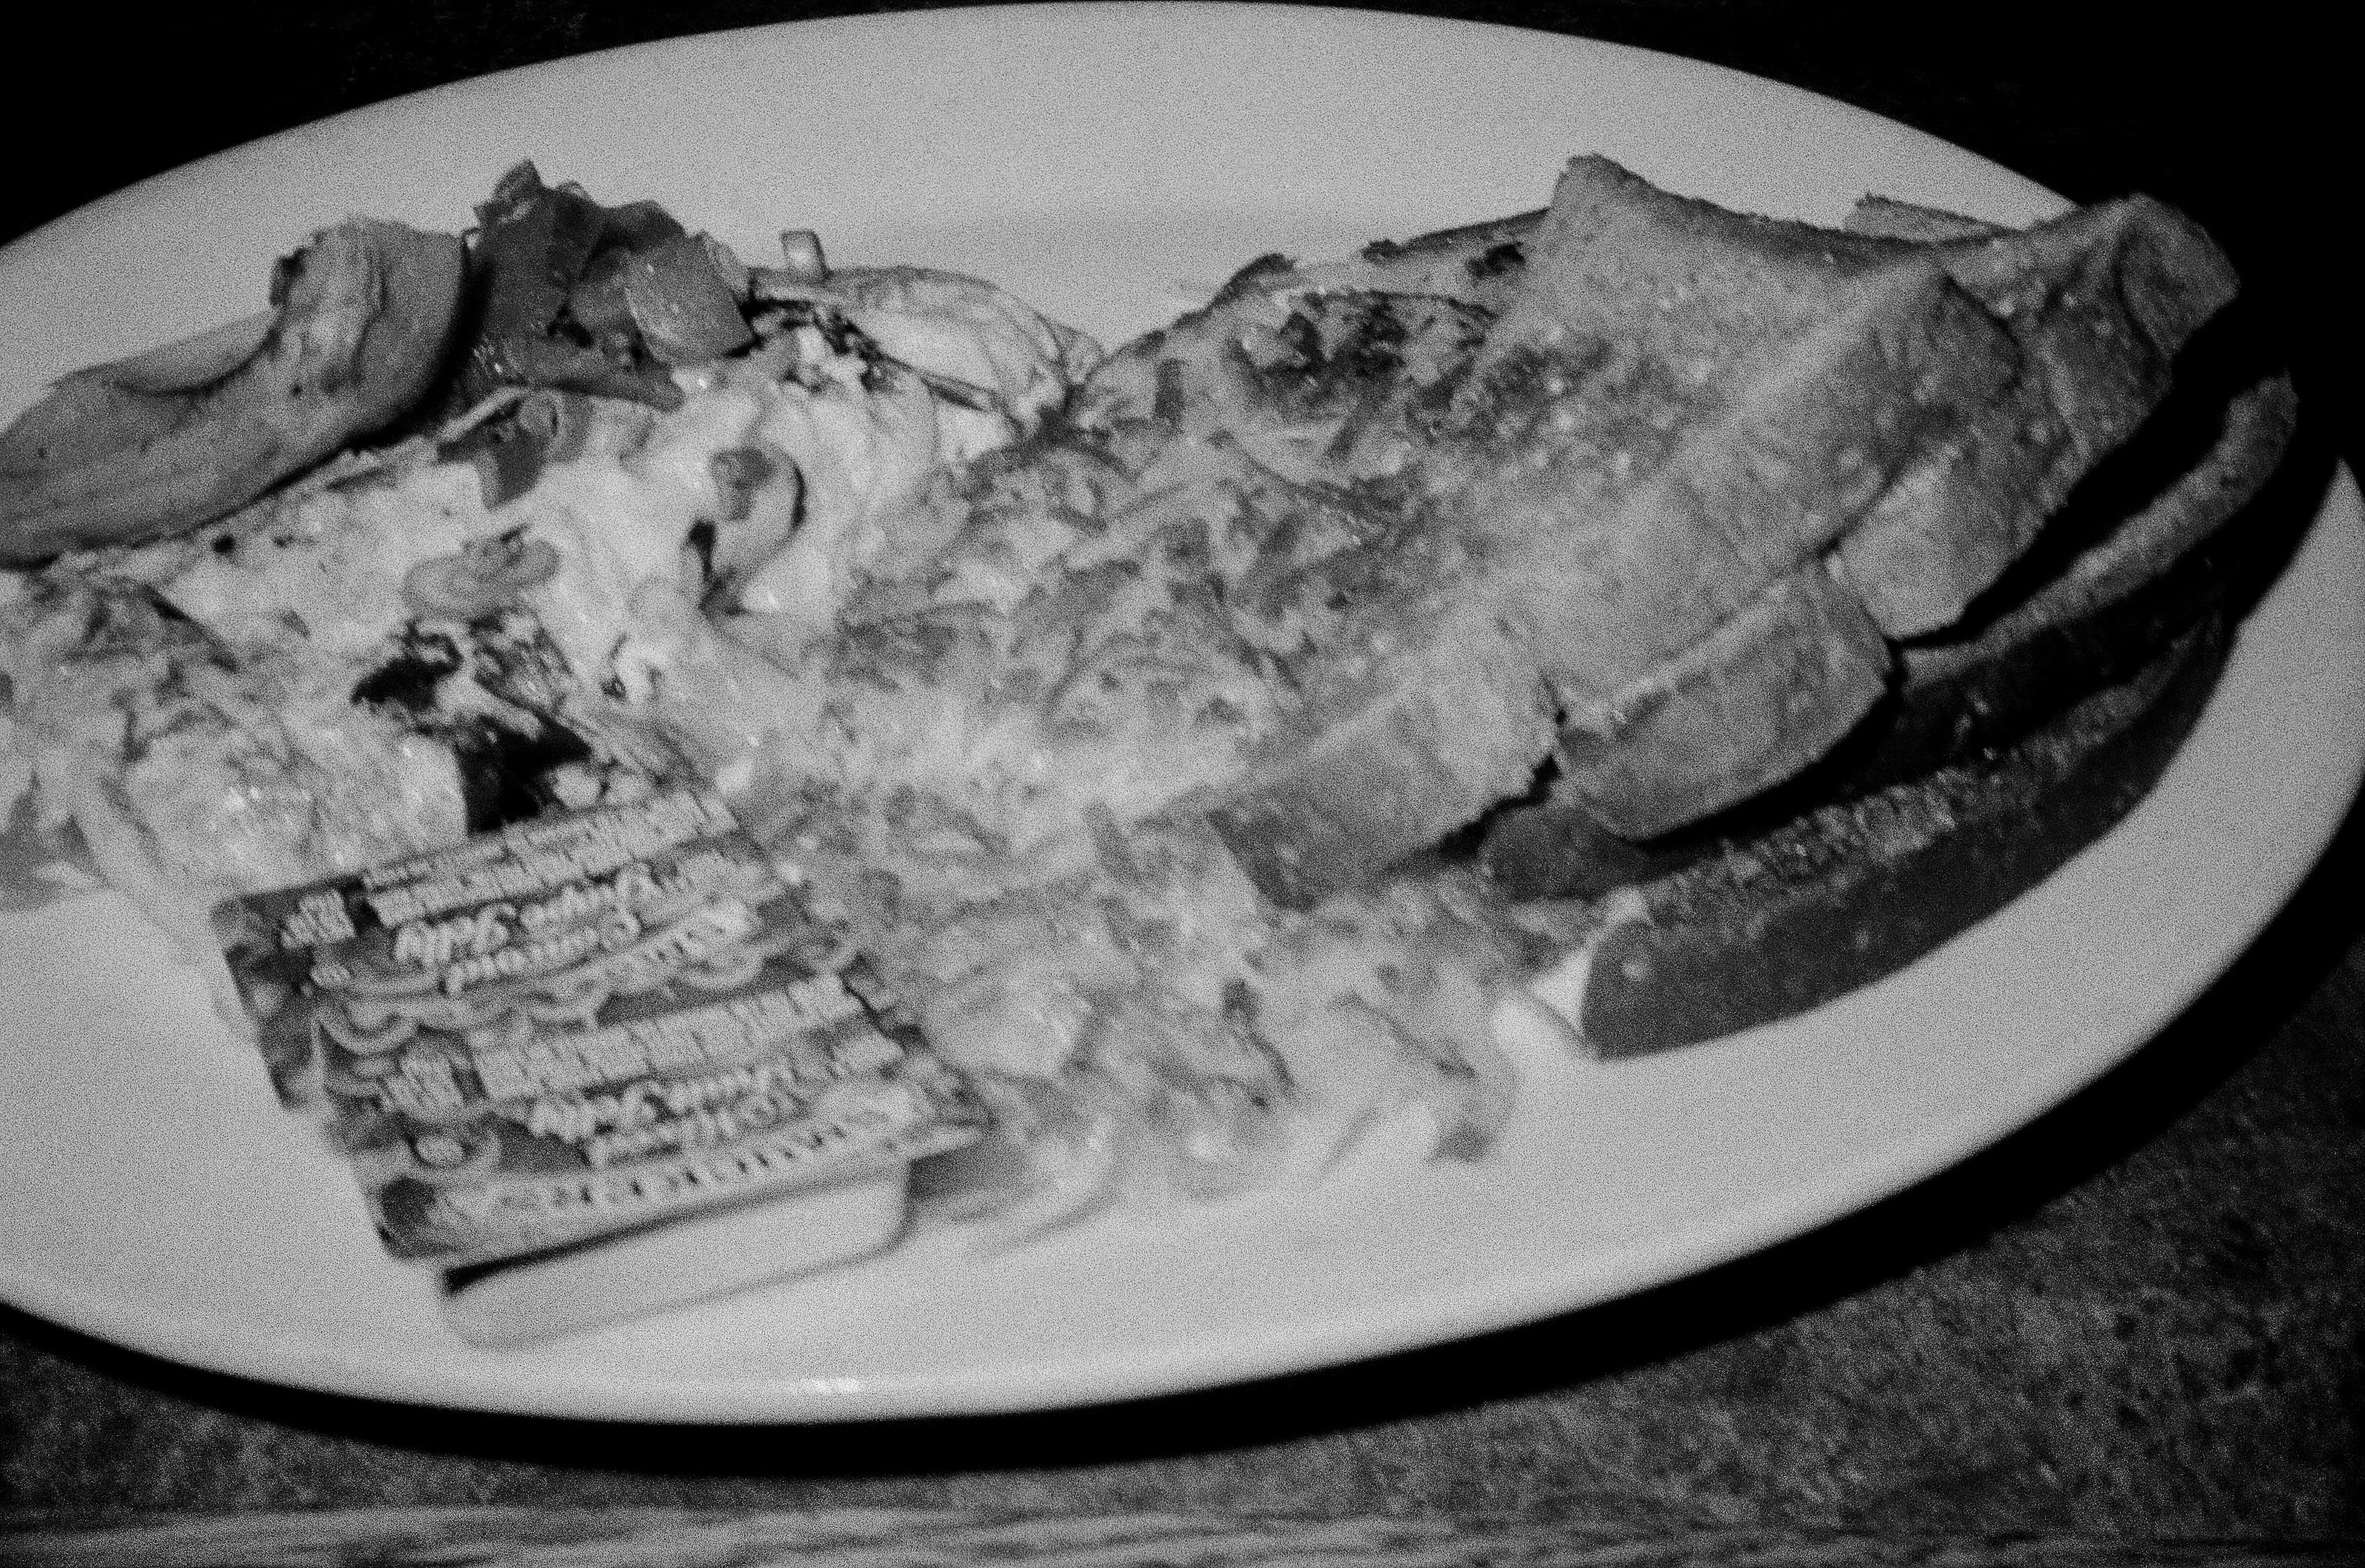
(1108, 163)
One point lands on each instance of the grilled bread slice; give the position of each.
(2099, 301)
(1855, 889)
(1635, 516)
(1656, 461)
(2185, 523)
(2010, 742)
(2085, 311)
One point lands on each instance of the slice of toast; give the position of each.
(1683, 408)
(2188, 519)
(1647, 490)
(1771, 690)
(2086, 618)
(1652, 488)
(2093, 306)
(1447, 716)
(1953, 522)
(1838, 899)
(2099, 301)
(1700, 465)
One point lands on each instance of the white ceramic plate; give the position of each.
(1108, 162)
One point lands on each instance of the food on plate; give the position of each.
(1632, 605)
(124, 453)
(1700, 472)
(583, 1027)
(2006, 745)
(567, 294)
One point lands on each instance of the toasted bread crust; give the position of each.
(1854, 893)
(1711, 468)
(2141, 573)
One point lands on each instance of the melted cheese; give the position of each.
(975, 694)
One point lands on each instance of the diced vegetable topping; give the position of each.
(581, 297)
(481, 579)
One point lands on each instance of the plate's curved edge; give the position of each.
(2331, 566)
(823, 1398)
(1137, 15)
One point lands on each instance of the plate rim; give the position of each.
(823, 1398)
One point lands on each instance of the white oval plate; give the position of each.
(1109, 164)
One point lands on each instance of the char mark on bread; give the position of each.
(1704, 472)
(1842, 896)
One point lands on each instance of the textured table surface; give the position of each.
(2135, 1331)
